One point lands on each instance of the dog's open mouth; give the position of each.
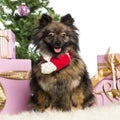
(57, 50)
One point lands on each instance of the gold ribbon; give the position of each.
(107, 70)
(15, 75)
(115, 93)
(2, 97)
(5, 36)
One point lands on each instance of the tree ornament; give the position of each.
(23, 10)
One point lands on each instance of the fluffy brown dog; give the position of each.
(69, 87)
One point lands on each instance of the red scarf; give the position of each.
(62, 60)
(56, 63)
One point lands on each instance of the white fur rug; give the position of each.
(111, 112)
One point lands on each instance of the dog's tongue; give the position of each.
(57, 50)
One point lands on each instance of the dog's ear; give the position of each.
(45, 20)
(67, 19)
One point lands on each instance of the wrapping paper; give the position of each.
(17, 91)
(7, 44)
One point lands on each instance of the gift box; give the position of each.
(104, 63)
(106, 93)
(7, 44)
(15, 85)
(106, 83)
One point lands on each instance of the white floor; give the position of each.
(111, 112)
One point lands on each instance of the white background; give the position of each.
(99, 25)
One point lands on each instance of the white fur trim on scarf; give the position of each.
(48, 67)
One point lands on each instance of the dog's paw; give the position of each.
(48, 67)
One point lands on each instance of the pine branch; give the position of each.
(22, 26)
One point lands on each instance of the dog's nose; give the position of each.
(57, 43)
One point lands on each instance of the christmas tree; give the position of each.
(20, 16)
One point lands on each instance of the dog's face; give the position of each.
(55, 38)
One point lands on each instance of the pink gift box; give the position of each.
(17, 91)
(7, 44)
(102, 63)
(101, 97)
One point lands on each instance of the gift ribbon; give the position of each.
(5, 36)
(107, 70)
(3, 44)
(115, 93)
(15, 75)
(2, 97)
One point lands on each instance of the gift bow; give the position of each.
(16, 75)
(107, 70)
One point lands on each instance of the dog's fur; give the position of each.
(70, 87)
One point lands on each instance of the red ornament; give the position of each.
(23, 10)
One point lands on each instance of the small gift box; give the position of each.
(105, 93)
(7, 44)
(14, 85)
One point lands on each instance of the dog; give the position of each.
(66, 88)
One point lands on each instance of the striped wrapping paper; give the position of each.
(7, 44)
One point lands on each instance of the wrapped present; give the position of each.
(7, 44)
(106, 82)
(106, 94)
(14, 85)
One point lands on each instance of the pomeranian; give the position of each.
(65, 84)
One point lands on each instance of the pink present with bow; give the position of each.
(106, 82)
(14, 85)
(7, 44)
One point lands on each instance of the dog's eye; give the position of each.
(51, 34)
(63, 34)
